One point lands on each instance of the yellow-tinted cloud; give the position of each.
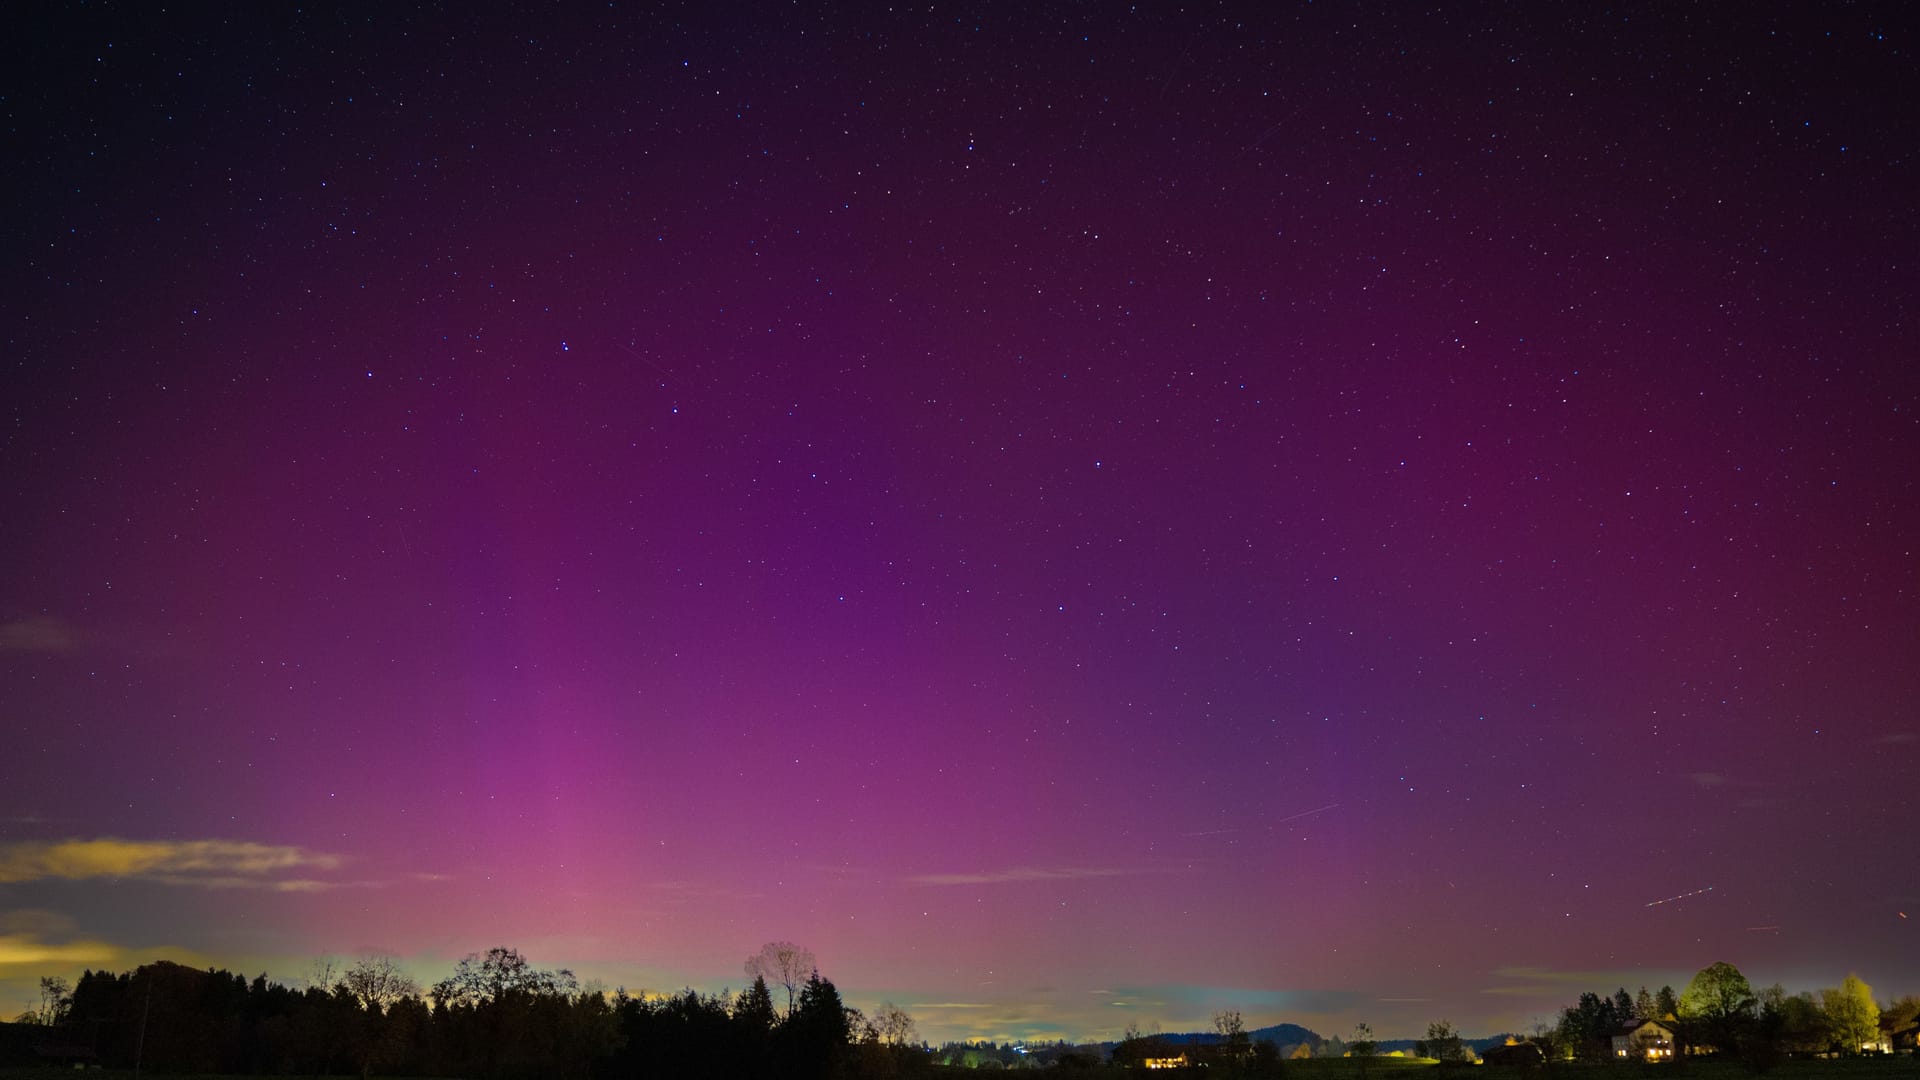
(26, 956)
(206, 863)
(26, 950)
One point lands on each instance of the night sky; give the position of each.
(1079, 515)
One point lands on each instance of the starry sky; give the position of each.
(1077, 514)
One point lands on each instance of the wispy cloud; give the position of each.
(38, 633)
(1539, 981)
(1547, 975)
(210, 864)
(27, 950)
(1025, 873)
(37, 922)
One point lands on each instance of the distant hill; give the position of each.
(1285, 1034)
(1281, 1034)
(1294, 1034)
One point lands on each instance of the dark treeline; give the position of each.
(497, 1017)
(1721, 1014)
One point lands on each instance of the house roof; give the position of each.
(1629, 1028)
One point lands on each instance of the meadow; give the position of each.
(1885, 1067)
(1882, 1067)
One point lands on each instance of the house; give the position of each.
(1647, 1040)
(1523, 1055)
(1177, 1062)
(1902, 1036)
(1882, 1041)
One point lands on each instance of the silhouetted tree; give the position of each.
(1720, 1002)
(1363, 1043)
(782, 963)
(56, 1001)
(1136, 1046)
(1444, 1043)
(502, 1014)
(478, 979)
(1784, 1024)
(1900, 1013)
(376, 981)
(1853, 1017)
(892, 1024)
(323, 973)
(1586, 1028)
(814, 1038)
(754, 1011)
(1234, 1046)
(1553, 1045)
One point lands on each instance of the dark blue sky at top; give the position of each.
(1077, 514)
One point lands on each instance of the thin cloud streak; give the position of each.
(40, 634)
(1026, 873)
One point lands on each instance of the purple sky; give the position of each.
(1079, 516)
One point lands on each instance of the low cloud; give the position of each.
(33, 941)
(1023, 873)
(37, 943)
(27, 950)
(210, 864)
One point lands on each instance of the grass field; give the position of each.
(1884, 1067)
(1896, 1067)
(47, 1072)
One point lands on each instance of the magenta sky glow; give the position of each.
(1077, 515)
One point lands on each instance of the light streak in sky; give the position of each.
(1682, 896)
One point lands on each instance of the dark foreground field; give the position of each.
(1894, 1067)
(1897, 1067)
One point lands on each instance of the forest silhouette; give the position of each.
(496, 1016)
